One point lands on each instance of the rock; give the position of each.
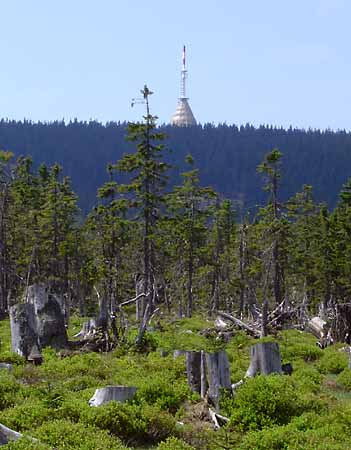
(6, 366)
(112, 393)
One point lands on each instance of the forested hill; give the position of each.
(226, 155)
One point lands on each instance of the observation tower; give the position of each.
(183, 117)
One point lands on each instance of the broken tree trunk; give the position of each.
(23, 324)
(208, 373)
(49, 316)
(265, 359)
(341, 324)
(193, 370)
(218, 375)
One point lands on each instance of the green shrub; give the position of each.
(131, 422)
(297, 345)
(26, 416)
(308, 379)
(165, 393)
(63, 434)
(308, 432)
(264, 401)
(174, 443)
(333, 361)
(121, 419)
(26, 444)
(344, 378)
(10, 390)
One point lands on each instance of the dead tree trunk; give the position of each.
(193, 370)
(208, 373)
(265, 359)
(49, 316)
(218, 375)
(264, 331)
(24, 335)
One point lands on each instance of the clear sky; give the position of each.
(280, 62)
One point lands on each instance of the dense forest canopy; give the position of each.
(226, 155)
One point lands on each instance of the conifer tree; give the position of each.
(190, 206)
(146, 193)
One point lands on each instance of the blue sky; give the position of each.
(274, 62)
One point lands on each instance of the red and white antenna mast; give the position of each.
(184, 74)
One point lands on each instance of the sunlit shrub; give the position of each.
(264, 401)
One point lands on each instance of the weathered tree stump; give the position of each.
(3, 438)
(50, 319)
(7, 435)
(193, 370)
(112, 393)
(218, 375)
(23, 329)
(265, 359)
(208, 373)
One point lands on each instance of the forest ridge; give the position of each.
(226, 155)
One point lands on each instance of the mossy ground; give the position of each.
(310, 409)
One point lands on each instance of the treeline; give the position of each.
(187, 248)
(226, 155)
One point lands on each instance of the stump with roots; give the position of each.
(265, 359)
(208, 373)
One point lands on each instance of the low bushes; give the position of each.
(264, 401)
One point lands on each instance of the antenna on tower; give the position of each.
(184, 74)
(183, 115)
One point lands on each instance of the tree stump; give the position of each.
(112, 393)
(23, 329)
(193, 370)
(3, 438)
(265, 359)
(218, 375)
(50, 319)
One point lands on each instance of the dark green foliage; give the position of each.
(344, 379)
(263, 402)
(227, 155)
(333, 361)
(174, 443)
(10, 390)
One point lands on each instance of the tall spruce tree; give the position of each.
(146, 193)
(190, 206)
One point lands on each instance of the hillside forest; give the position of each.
(159, 255)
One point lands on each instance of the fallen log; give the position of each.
(240, 324)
